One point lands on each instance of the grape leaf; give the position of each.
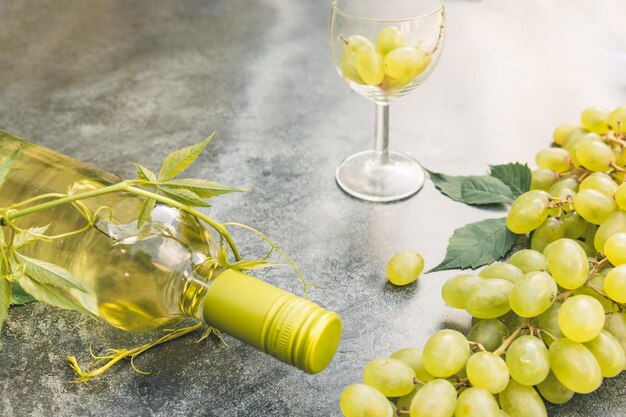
(19, 296)
(516, 176)
(472, 189)
(253, 265)
(5, 166)
(477, 244)
(179, 160)
(145, 174)
(48, 274)
(5, 299)
(146, 210)
(28, 236)
(184, 196)
(484, 190)
(203, 188)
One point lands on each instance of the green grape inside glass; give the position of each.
(384, 49)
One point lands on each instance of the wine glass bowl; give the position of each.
(384, 50)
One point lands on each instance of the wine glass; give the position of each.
(384, 49)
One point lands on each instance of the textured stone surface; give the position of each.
(111, 82)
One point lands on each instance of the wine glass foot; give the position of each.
(367, 176)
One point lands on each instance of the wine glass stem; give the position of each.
(381, 134)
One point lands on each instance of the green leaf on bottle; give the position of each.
(203, 188)
(477, 244)
(51, 295)
(146, 210)
(5, 166)
(5, 298)
(472, 189)
(516, 176)
(184, 196)
(46, 273)
(179, 160)
(19, 296)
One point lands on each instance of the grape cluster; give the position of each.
(548, 323)
(390, 64)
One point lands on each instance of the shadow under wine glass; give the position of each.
(384, 50)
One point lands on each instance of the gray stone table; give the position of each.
(111, 82)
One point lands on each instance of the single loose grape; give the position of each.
(454, 291)
(595, 156)
(489, 333)
(564, 131)
(615, 282)
(620, 196)
(389, 38)
(392, 377)
(413, 358)
(502, 270)
(406, 63)
(550, 230)
(404, 268)
(581, 318)
(595, 119)
(568, 263)
(608, 352)
(488, 371)
(615, 249)
(617, 119)
(476, 402)
(601, 182)
(556, 159)
(615, 223)
(575, 366)
(593, 206)
(543, 179)
(360, 400)
(528, 260)
(528, 360)
(522, 401)
(489, 299)
(533, 294)
(555, 392)
(435, 399)
(369, 64)
(549, 323)
(445, 353)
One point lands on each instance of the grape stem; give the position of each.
(507, 342)
(478, 345)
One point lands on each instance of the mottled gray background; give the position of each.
(111, 82)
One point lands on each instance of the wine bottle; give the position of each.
(146, 277)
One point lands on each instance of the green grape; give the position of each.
(476, 402)
(573, 145)
(556, 159)
(615, 249)
(615, 223)
(512, 321)
(575, 225)
(389, 38)
(590, 251)
(564, 131)
(502, 270)
(489, 299)
(369, 64)
(406, 62)
(595, 156)
(404, 402)
(595, 119)
(435, 399)
(609, 354)
(590, 233)
(488, 371)
(392, 377)
(568, 183)
(390, 83)
(575, 366)
(620, 195)
(543, 179)
(533, 294)
(360, 400)
(601, 182)
(404, 268)
(413, 358)
(454, 291)
(598, 282)
(615, 282)
(617, 119)
(533, 195)
(575, 136)
(549, 322)
(522, 401)
(527, 214)
(489, 333)
(550, 230)
(616, 325)
(529, 260)
(347, 63)
(555, 392)
(568, 263)
(593, 206)
(581, 318)
(445, 353)
(528, 360)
